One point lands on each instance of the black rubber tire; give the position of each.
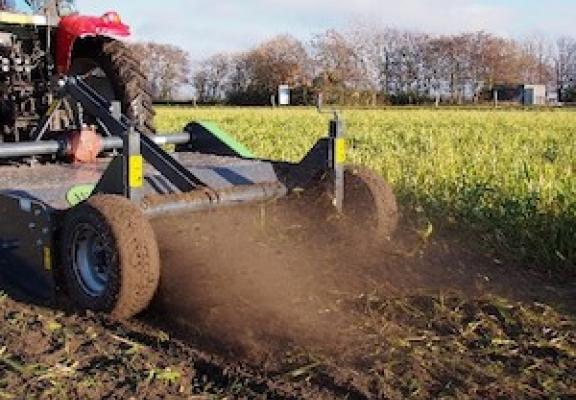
(369, 203)
(134, 261)
(123, 70)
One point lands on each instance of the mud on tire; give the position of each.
(110, 257)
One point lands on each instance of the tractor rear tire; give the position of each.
(110, 257)
(122, 78)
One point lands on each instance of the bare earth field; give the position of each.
(256, 309)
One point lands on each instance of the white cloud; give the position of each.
(205, 27)
(439, 16)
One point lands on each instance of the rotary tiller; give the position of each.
(75, 209)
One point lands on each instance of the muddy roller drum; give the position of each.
(369, 210)
(369, 203)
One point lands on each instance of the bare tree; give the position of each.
(369, 64)
(166, 66)
(210, 78)
(565, 66)
(256, 74)
(336, 58)
(538, 53)
(339, 68)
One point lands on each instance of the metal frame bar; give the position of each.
(324, 157)
(59, 147)
(337, 159)
(100, 108)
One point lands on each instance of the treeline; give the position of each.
(367, 66)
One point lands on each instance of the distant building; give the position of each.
(534, 95)
(528, 95)
(283, 95)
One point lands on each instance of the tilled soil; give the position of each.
(256, 308)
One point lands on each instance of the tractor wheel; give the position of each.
(113, 70)
(110, 258)
(370, 205)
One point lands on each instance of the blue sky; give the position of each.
(205, 27)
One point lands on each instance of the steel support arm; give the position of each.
(100, 108)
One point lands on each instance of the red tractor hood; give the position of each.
(77, 26)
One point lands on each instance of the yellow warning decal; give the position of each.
(22, 19)
(136, 171)
(47, 258)
(341, 151)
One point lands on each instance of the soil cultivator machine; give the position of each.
(82, 173)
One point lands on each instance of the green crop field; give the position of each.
(506, 175)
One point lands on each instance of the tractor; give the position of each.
(41, 41)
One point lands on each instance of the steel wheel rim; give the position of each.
(91, 260)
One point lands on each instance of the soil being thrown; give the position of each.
(253, 280)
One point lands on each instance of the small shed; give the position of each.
(284, 95)
(534, 95)
(527, 95)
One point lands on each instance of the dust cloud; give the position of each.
(252, 279)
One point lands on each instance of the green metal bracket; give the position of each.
(210, 137)
(79, 193)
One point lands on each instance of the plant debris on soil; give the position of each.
(424, 319)
(413, 347)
